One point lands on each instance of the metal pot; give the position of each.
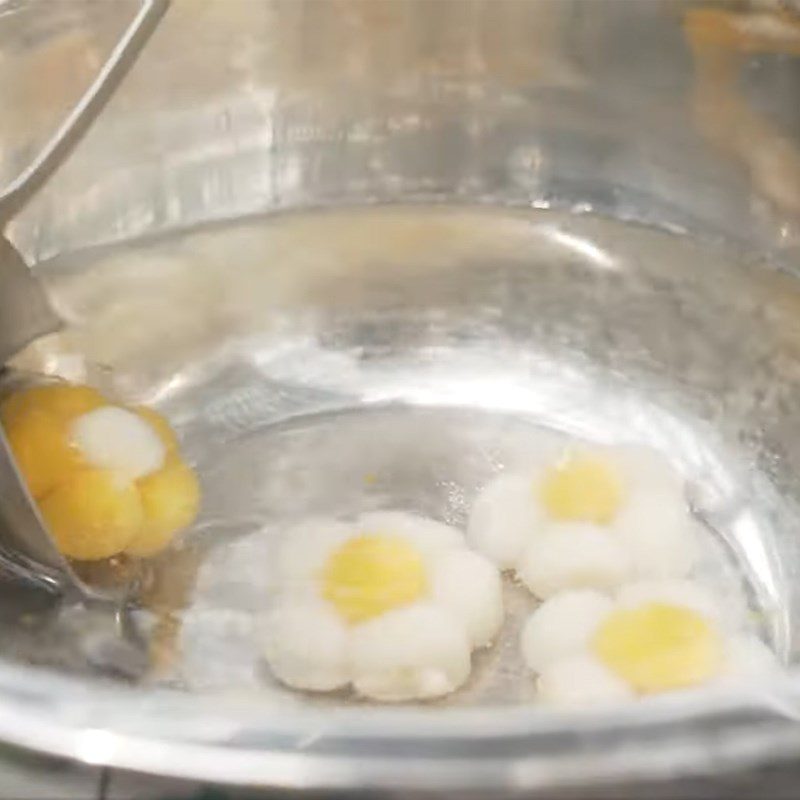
(493, 214)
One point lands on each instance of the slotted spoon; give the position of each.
(26, 313)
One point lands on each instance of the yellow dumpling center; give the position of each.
(582, 489)
(371, 574)
(659, 647)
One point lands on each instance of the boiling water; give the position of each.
(333, 363)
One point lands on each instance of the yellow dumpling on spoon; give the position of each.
(108, 479)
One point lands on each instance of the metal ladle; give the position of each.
(26, 546)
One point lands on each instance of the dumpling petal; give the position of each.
(574, 556)
(303, 551)
(659, 532)
(747, 658)
(504, 519)
(469, 586)
(562, 627)
(646, 469)
(581, 682)
(427, 535)
(118, 440)
(419, 651)
(306, 645)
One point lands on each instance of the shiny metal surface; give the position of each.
(589, 232)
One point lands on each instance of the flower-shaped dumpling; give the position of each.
(590, 649)
(391, 603)
(586, 516)
(107, 479)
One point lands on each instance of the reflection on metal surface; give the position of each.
(583, 248)
(165, 596)
(70, 130)
(357, 103)
(720, 41)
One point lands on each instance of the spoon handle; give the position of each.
(85, 111)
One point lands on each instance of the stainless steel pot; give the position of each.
(502, 213)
